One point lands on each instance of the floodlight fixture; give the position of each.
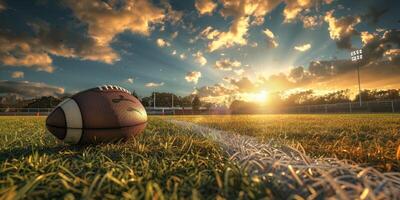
(357, 56)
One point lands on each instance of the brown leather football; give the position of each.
(99, 115)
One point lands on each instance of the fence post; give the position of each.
(392, 106)
(326, 108)
(350, 107)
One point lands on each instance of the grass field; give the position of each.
(168, 161)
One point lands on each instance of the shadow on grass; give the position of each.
(16, 153)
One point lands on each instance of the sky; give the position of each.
(218, 49)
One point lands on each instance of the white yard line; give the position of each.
(302, 175)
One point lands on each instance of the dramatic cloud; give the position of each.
(33, 49)
(205, 6)
(242, 12)
(270, 38)
(199, 58)
(17, 74)
(367, 37)
(193, 77)
(295, 7)
(341, 30)
(107, 19)
(377, 45)
(303, 48)
(235, 35)
(162, 43)
(153, 84)
(227, 64)
(29, 89)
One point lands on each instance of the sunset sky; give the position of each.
(218, 49)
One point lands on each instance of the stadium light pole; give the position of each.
(357, 56)
(154, 100)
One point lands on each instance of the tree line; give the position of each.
(310, 97)
(165, 99)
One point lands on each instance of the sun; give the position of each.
(261, 96)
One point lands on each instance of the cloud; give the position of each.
(174, 34)
(199, 58)
(105, 20)
(162, 43)
(242, 11)
(239, 72)
(302, 48)
(209, 33)
(244, 84)
(129, 80)
(33, 49)
(193, 77)
(382, 42)
(393, 55)
(311, 21)
(29, 89)
(205, 7)
(171, 15)
(293, 8)
(270, 38)
(341, 30)
(213, 91)
(367, 37)
(17, 74)
(153, 84)
(235, 35)
(379, 70)
(227, 64)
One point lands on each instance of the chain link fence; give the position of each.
(350, 107)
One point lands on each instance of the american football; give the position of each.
(103, 114)
(200, 99)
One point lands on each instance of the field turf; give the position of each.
(170, 162)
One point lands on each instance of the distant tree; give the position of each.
(133, 93)
(243, 107)
(196, 103)
(186, 101)
(163, 99)
(147, 101)
(304, 97)
(44, 102)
